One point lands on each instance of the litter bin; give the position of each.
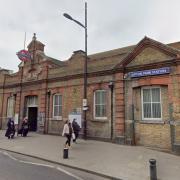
(65, 153)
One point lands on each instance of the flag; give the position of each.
(24, 55)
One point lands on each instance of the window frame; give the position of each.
(103, 117)
(142, 103)
(60, 116)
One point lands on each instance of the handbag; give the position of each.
(73, 136)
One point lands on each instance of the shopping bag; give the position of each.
(73, 136)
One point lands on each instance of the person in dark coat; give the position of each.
(10, 129)
(76, 129)
(25, 127)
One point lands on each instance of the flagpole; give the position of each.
(25, 40)
(33, 58)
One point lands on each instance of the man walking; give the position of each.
(76, 129)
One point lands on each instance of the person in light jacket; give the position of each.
(67, 131)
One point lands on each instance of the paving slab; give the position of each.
(118, 161)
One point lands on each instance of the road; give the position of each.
(19, 167)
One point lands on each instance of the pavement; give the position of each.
(110, 160)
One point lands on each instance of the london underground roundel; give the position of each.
(24, 55)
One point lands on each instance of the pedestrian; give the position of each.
(67, 131)
(76, 129)
(10, 129)
(25, 127)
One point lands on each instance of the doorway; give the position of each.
(32, 118)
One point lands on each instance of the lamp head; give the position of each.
(67, 16)
(14, 94)
(49, 92)
(111, 84)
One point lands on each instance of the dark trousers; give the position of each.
(76, 136)
(10, 133)
(68, 141)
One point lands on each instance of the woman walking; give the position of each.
(67, 131)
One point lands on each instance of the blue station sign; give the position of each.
(150, 72)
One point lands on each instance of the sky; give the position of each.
(111, 24)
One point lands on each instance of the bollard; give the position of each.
(153, 174)
(65, 153)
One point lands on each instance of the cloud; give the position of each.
(111, 24)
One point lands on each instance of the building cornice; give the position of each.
(63, 78)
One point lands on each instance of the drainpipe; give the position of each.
(49, 95)
(14, 95)
(2, 100)
(46, 118)
(133, 126)
(171, 124)
(20, 93)
(111, 86)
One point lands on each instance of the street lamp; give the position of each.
(85, 107)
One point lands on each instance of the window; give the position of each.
(10, 107)
(100, 104)
(151, 103)
(32, 101)
(57, 105)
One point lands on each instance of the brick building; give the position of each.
(133, 93)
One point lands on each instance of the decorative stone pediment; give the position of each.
(31, 73)
(149, 51)
(149, 55)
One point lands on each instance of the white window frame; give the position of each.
(103, 117)
(142, 107)
(57, 117)
(10, 106)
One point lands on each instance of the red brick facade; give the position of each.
(43, 77)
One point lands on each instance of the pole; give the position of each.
(111, 86)
(85, 73)
(112, 129)
(34, 50)
(25, 40)
(85, 107)
(3, 92)
(46, 117)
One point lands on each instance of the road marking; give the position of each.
(10, 156)
(68, 173)
(39, 164)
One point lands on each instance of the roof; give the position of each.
(109, 59)
(114, 52)
(175, 45)
(102, 61)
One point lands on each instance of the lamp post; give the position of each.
(85, 107)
